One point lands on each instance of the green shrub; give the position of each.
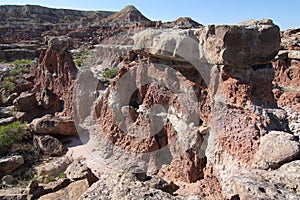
(9, 134)
(110, 73)
(21, 62)
(8, 84)
(61, 175)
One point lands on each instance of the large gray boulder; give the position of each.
(275, 148)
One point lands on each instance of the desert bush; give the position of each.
(10, 134)
(110, 73)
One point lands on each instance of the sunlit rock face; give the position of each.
(190, 104)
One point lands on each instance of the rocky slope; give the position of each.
(183, 111)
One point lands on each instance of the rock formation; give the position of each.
(196, 99)
(194, 112)
(56, 71)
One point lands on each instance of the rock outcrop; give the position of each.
(56, 71)
(190, 100)
(193, 112)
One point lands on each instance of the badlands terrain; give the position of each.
(112, 105)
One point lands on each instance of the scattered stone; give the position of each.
(35, 190)
(56, 185)
(160, 184)
(48, 145)
(10, 163)
(8, 180)
(53, 125)
(6, 112)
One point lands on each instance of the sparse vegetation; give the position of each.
(81, 56)
(61, 175)
(9, 81)
(110, 73)
(21, 62)
(10, 134)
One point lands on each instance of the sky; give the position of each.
(284, 13)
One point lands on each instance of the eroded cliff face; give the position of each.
(193, 105)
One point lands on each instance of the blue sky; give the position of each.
(284, 13)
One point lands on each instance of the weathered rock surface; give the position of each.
(12, 194)
(203, 107)
(243, 45)
(276, 148)
(25, 102)
(78, 171)
(48, 145)
(117, 186)
(48, 171)
(53, 125)
(279, 184)
(72, 191)
(10, 163)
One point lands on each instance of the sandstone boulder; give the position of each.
(48, 145)
(6, 111)
(53, 125)
(25, 102)
(10, 163)
(275, 148)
